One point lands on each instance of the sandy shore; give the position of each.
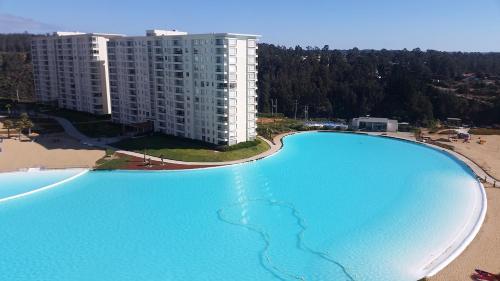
(484, 251)
(486, 155)
(48, 151)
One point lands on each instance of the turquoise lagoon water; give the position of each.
(327, 207)
(14, 183)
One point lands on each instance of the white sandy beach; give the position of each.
(486, 155)
(49, 151)
(484, 251)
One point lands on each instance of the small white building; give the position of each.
(374, 124)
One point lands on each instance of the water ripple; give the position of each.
(265, 257)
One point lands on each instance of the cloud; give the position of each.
(12, 24)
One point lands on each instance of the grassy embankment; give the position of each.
(112, 161)
(271, 127)
(181, 149)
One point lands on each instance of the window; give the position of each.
(232, 42)
(232, 51)
(251, 43)
(251, 51)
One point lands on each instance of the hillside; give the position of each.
(414, 86)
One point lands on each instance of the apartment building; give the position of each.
(131, 85)
(198, 86)
(71, 71)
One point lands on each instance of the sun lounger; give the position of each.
(482, 275)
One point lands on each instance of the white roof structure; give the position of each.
(373, 119)
(162, 32)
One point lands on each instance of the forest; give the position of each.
(16, 71)
(415, 86)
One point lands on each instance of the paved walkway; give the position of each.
(73, 132)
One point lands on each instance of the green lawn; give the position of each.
(116, 163)
(91, 125)
(190, 150)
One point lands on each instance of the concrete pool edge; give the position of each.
(47, 187)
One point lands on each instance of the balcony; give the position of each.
(220, 68)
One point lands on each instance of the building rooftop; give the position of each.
(173, 32)
(162, 32)
(152, 32)
(76, 33)
(372, 119)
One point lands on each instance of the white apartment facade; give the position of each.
(198, 86)
(71, 71)
(131, 87)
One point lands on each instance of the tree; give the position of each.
(28, 124)
(8, 107)
(16, 77)
(25, 123)
(20, 126)
(9, 125)
(415, 86)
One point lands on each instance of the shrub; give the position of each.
(240, 145)
(269, 115)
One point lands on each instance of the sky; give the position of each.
(447, 25)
